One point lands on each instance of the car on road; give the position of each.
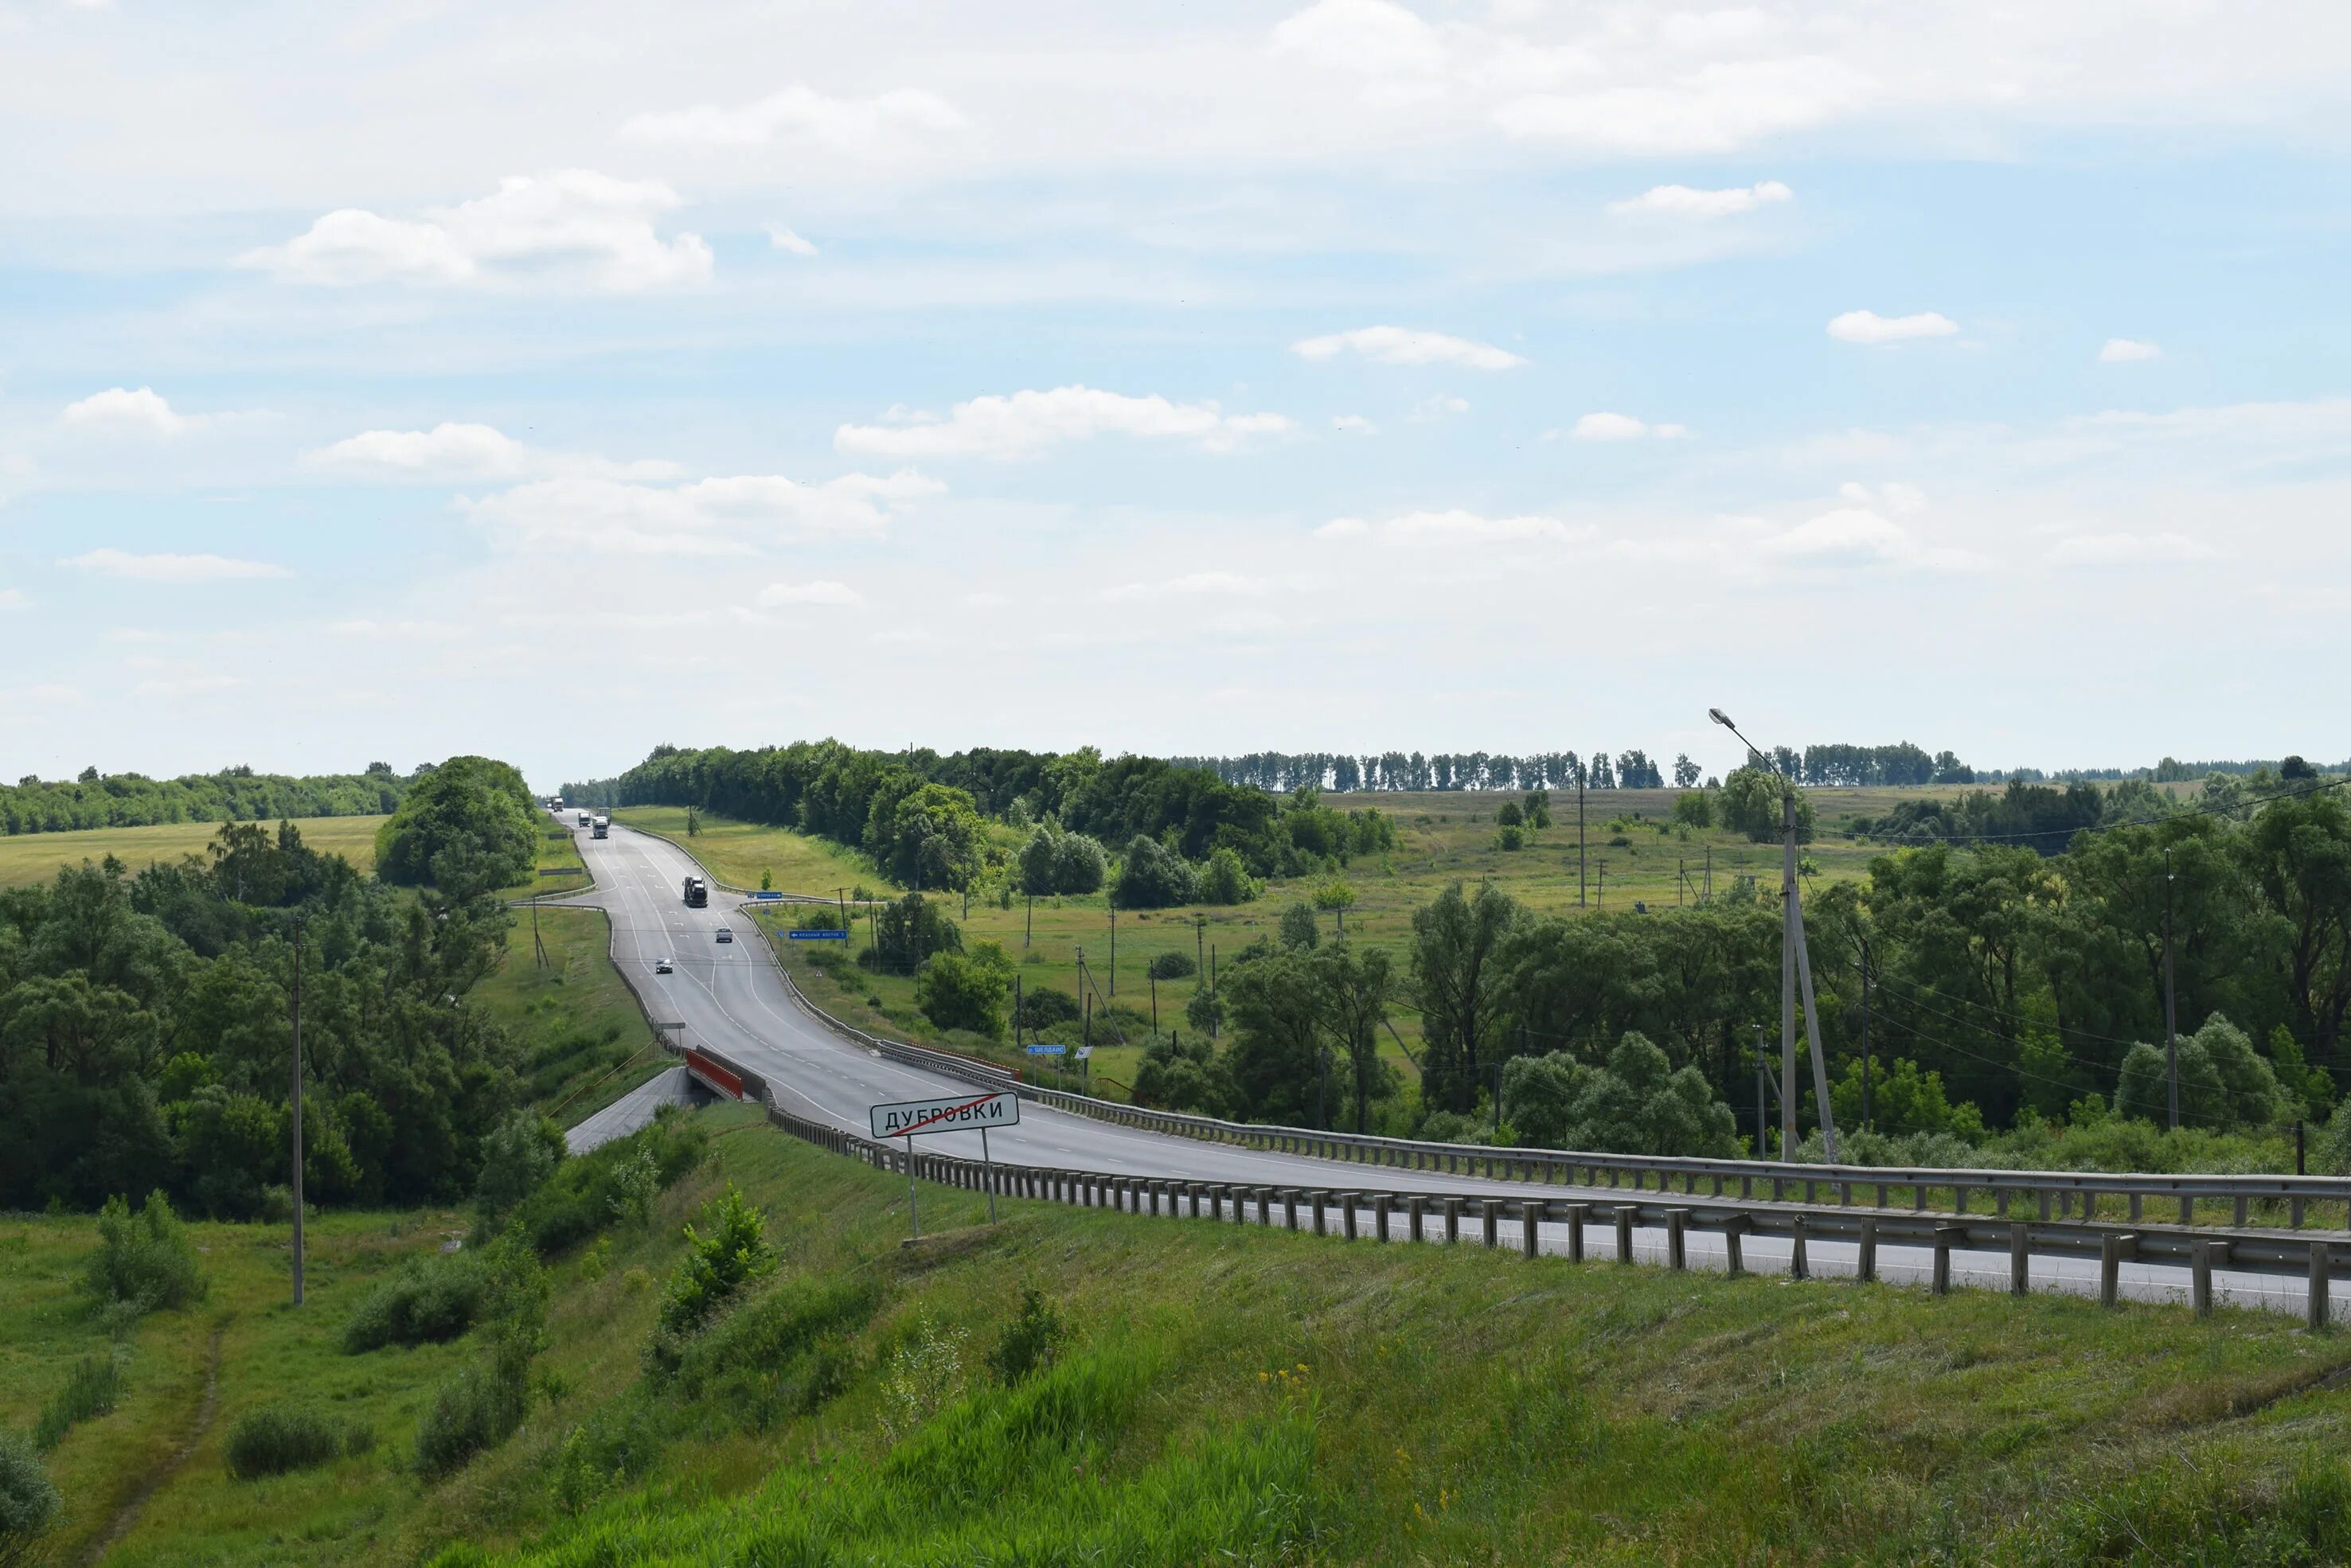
(660, 967)
(727, 934)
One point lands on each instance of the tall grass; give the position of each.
(91, 1388)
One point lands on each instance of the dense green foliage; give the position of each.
(232, 795)
(276, 1439)
(1637, 1103)
(145, 1261)
(467, 828)
(28, 1500)
(957, 990)
(612, 1183)
(909, 931)
(430, 1300)
(1900, 763)
(146, 1021)
(482, 1404)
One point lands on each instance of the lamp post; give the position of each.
(1796, 966)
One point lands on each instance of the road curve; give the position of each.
(731, 997)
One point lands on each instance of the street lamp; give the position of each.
(1796, 966)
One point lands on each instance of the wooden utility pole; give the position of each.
(296, 1183)
(2170, 1007)
(1579, 838)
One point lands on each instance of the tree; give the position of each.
(2298, 852)
(466, 829)
(693, 822)
(1537, 1093)
(1177, 1075)
(1903, 1099)
(907, 931)
(1299, 930)
(1509, 814)
(516, 1160)
(1151, 876)
(1694, 808)
(1638, 1104)
(1354, 987)
(1537, 809)
(1224, 879)
(1750, 804)
(1685, 771)
(1458, 981)
(957, 991)
(2143, 1091)
(1275, 1059)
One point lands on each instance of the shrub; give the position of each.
(908, 931)
(276, 1438)
(784, 1351)
(1043, 1007)
(716, 1266)
(614, 1182)
(616, 1445)
(428, 1300)
(91, 1389)
(956, 991)
(28, 1503)
(1172, 965)
(516, 1158)
(145, 1259)
(923, 1375)
(478, 1408)
(1032, 1341)
(1300, 928)
(1153, 876)
(1226, 878)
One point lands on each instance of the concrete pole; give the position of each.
(1787, 922)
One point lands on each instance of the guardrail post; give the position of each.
(2111, 1248)
(1265, 1205)
(1959, 1198)
(1490, 1211)
(1319, 1197)
(1380, 1205)
(1240, 1206)
(1452, 1220)
(2133, 1208)
(2199, 1277)
(2294, 1212)
(1734, 1253)
(1946, 1238)
(2240, 1213)
(1623, 1217)
(1530, 1213)
(1415, 1207)
(2019, 1259)
(2044, 1204)
(1677, 1238)
(2187, 1208)
(1864, 1267)
(1347, 1214)
(1289, 1208)
(1798, 1264)
(1575, 1216)
(1999, 1202)
(2317, 1316)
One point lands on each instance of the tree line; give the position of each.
(146, 1028)
(33, 805)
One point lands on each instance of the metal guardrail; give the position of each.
(1514, 1219)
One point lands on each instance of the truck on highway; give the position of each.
(697, 892)
(584, 818)
(601, 828)
(555, 802)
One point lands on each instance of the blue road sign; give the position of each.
(1046, 1049)
(818, 935)
(767, 895)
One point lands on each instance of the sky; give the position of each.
(553, 382)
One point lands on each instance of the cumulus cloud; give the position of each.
(1354, 424)
(1862, 533)
(1411, 527)
(1442, 406)
(144, 411)
(459, 452)
(731, 516)
(1688, 201)
(14, 599)
(1869, 327)
(2123, 350)
(1624, 427)
(1400, 345)
(802, 117)
(782, 238)
(825, 591)
(166, 567)
(2130, 549)
(1028, 423)
(1198, 582)
(574, 228)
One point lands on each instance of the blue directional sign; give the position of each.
(1046, 1049)
(818, 935)
(768, 896)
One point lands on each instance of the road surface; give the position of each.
(731, 997)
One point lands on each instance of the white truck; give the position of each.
(601, 828)
(584, 818)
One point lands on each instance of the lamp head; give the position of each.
(1721, 717)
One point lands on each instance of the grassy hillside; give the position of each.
(35, 857)
(738, 852)
(1218, 1391)
(585, 1040)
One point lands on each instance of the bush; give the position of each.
(28, 1503)
(276, 1438)
(960, 992)
(1300, 928)
(784, 1351)
(429, 1301)
(1226, 878)
(818, 917)
(91, 1388)
(909, 931)
(1043, 1007)
(1172, 965)
(478, 1408)
(516, 1158)
(716, 1266)
(616, 1446)
(610, 1184)
(1153, 876)
(144, 1259)
(1032, 1341)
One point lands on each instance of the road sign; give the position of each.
(1085, 1054)
(767, 895)
(563, 871)
(818, 935)
(1046, 1049)
(960, 1114)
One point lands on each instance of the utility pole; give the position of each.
(1029, 921)
(1763, 1101)
(1579, 838)
(1016, 1013)
(1865, 1033)
(1114, 949)
(1154, 1006)
(296, 1183)
(2171, 1001)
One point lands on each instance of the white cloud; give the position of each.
(144, 411)
(801, 116)
(1861, 534)
(1869, 327)
(1354, 423)
(394, 631)
(1624, 427)
(1442, 406)
(2130, 549)
(820, 593)
(729, 515)
(574, 228)
(1198, 582)
(188, 686)
(1028, 424)
(1400, 345)
(457, 452)
(2123, 350)
(1468, 527)
(1688, 201)
(14, 599)
(165, 568)
(782, 238)
(984, 600)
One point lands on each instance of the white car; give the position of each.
(660, 967)
(727, 934)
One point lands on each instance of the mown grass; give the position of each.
(737, 852)
(1226, 1393)
(35, 857)
(585, 1041)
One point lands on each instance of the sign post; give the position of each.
(907, 1118)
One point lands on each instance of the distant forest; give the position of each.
(32, 805)
(1820, 767)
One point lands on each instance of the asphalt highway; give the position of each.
(731, 997)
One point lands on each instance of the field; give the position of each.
(585, 1040)
(1262, 1395)
(1632, 855)
(35, 857)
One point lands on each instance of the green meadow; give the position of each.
(36, 857)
